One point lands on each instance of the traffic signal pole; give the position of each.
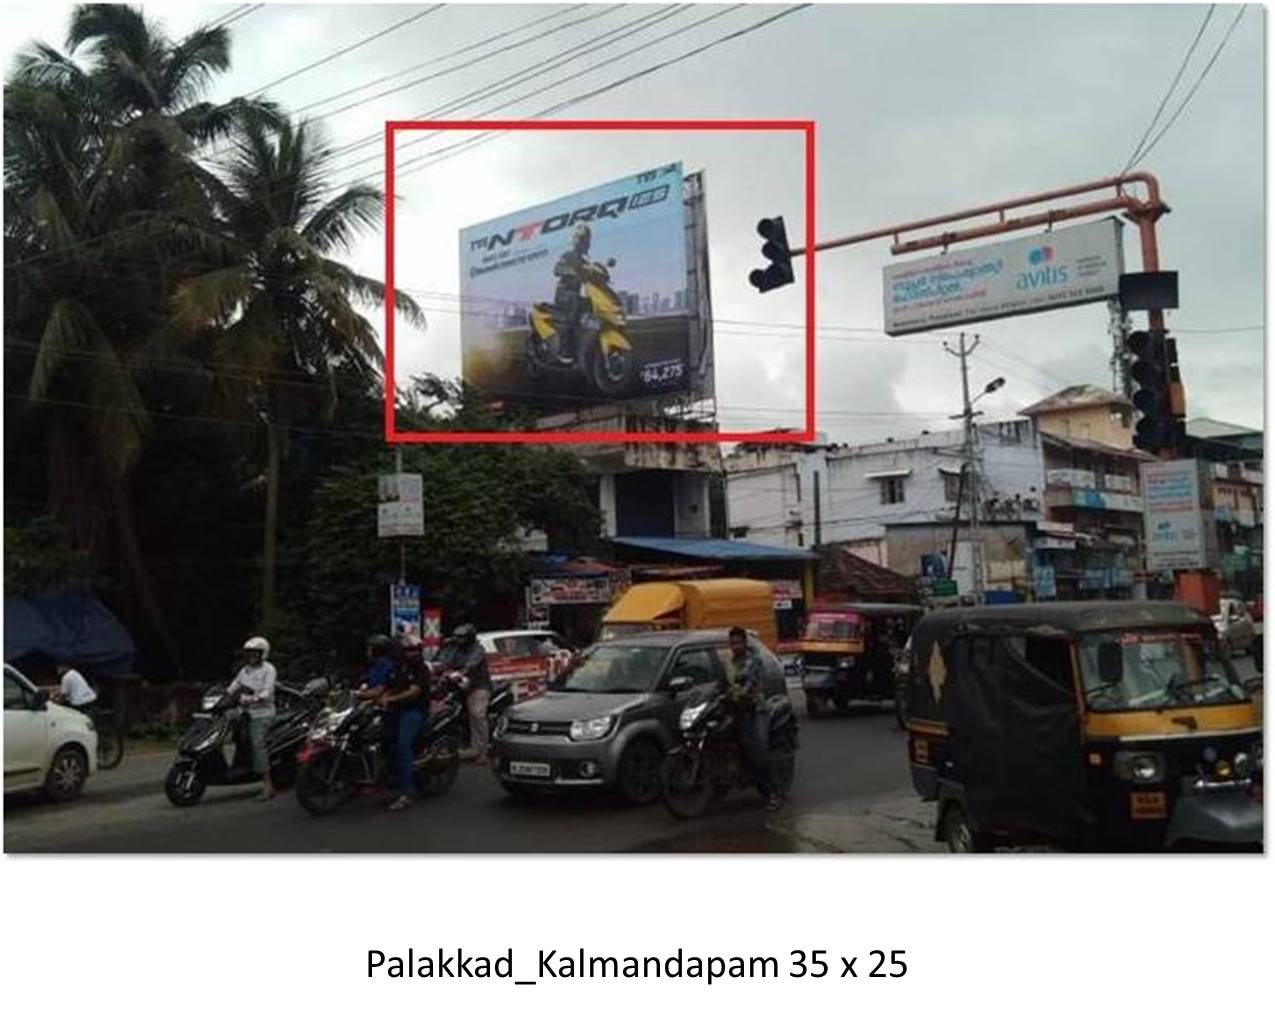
(1199, 588)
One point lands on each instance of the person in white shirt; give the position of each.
(73, 688)
(254, 685)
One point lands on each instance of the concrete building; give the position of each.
(1236, 457)
(894, 502)
(1091, 543)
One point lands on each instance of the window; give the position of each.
(952, 490)
(698, 664)
(892, 490)
(1051, 657)
(15, 696)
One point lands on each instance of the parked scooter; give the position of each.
(215, 749)
(707, 764)
(347, 749)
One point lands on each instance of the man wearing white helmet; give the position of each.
(254, 685)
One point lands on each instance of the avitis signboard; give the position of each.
(1065, 267)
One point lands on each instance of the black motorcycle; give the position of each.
(348, 751)
(707, 764)
(215, 749)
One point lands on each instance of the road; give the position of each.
(852, 794)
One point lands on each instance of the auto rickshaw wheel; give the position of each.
(955, 831)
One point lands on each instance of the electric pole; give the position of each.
(972, 453)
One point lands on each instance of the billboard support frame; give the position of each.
(806, 435)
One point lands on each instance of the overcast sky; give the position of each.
(920, 111)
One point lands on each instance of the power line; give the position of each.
(439, 59)
(252, 8)
(1198, 81)
(1133, 157)
(537, 69)
(433, 157)
(221, 18)
(349, 49)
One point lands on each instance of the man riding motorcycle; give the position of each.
(406, 700)
(744, 686)
(570, 272)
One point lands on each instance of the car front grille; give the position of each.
(519, 727)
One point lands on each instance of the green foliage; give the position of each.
(37, 559)
(477, 501)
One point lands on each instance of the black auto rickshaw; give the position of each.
(848, 652)
(1088, 725)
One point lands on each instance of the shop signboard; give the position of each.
(569, 591)
(586, 299)
(1064, 267)
(1180, 533)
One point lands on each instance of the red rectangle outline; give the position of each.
(806, 435)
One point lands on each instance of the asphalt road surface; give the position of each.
(852, 793)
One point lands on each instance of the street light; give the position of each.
(991, 388)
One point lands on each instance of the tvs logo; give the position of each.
(1040, 255)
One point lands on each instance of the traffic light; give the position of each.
(1155, 371)
(775, 249)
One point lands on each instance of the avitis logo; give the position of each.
(1039, 273)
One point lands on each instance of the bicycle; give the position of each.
(110, 738)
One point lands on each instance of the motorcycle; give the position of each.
(707, 764)
(347, 749)
(215, 749)
(604, 354)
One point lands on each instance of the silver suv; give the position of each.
(608, 722)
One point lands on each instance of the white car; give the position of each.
(521, 643)
(46, 746)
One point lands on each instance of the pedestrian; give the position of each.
(254, 685)
(73, 689)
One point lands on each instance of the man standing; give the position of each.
(73, 689)
(470, 660)
(752, 723)
(254, 685)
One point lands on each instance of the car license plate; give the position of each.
(520, 768)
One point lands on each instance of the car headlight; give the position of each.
(1242, 765)
(502, 725)
(1258, 756)
(691, 714)
(1141, 768)
(593, 728)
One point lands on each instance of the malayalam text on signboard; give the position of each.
(1066, 267)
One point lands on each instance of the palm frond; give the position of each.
(338, 222)
(209, 298)
(68, 329)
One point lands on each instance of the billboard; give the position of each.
(1179, 516)
(1065, 267)
(587, 299)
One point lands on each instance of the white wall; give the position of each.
(762, 485)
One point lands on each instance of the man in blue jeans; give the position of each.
(744, 682)
(407, 700)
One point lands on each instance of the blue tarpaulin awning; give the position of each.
(71, 626)
(716, 548)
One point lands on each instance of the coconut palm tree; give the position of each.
(103, 201)
(283, 314)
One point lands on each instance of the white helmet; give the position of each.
(258, 644)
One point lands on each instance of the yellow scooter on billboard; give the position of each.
(584, 330)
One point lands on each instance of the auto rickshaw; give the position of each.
(848, 652)
(1108, 726)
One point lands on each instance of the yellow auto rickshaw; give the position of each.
(1088, 725)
